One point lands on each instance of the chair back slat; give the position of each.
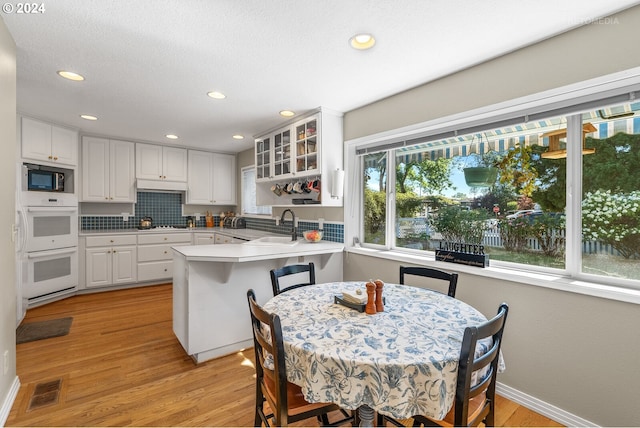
(286, 271)
(450, 277)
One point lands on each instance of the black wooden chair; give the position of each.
(451, 277)
(276, 398)
(475, 399)
(276, 274)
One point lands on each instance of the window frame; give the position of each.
(243, 182)
(567, 101)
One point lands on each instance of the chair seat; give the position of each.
(476, 405)
(295, 398)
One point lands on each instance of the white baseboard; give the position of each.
(8, 401)
(552, 412)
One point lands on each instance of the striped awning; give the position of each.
(607, 122)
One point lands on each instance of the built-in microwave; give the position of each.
(43, 178)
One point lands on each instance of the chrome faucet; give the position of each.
(294, 229)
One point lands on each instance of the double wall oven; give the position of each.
(49, 247)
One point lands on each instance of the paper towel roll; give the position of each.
(337, 183)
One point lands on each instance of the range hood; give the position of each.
(161, 185)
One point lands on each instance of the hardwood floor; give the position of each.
(121, 365)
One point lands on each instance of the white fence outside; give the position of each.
(415, 226)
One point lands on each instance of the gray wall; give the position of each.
(576, 352)
(7, 213)
(586, 52)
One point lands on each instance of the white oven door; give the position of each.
(51, 227)
(47, 272)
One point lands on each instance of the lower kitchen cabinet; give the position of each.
(155, 256)
(202, 238)
(226, 239)
(110, 260)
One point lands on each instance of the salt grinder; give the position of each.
(379, 303)
(370, 308)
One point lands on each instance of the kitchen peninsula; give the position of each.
(210, 283)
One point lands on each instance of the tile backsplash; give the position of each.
(166, 209)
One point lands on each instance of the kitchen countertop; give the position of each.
(247, 252)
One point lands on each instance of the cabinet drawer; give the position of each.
(159, 238)
(155, 270)
(107, 241)
(149, 253)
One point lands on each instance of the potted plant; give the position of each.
(481, 172)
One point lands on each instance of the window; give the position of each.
(249, 193)
(611, 192)
(507, 188)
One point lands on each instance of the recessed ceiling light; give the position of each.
(286, 113)
(238, 137)
(70, 75)
(217, 95)
(171, 136)
(362, 41)
(88, 117)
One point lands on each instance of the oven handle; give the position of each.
(52, 209)
(47, 253)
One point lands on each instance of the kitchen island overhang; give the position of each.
(210, 283)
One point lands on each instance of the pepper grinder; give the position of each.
(370, 308)
(379, 303)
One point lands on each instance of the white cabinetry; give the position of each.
(42, 141)
(155, 256)
(110, 260)
(161, 163)
(310, 148)
(212, 178)
(201, 238)
(107, 170)
(226, 239)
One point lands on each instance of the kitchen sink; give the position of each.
(272, 241)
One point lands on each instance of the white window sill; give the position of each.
(539, 279)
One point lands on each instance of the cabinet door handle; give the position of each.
(165, 252)
(50, 157)
(111, 240)
(55, 158)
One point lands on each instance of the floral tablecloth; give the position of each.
(400, 362)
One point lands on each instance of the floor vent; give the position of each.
(45, 394)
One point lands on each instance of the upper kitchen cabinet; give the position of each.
(273, 156)
(306, 150)
(44, 142)
(161, 164)
(108, 173)
(212, 178)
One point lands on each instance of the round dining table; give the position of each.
(400, 362)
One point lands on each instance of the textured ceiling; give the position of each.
(149, 64)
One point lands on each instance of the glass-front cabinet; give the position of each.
(282, 154)
(294, 162)
(307, 146)
(263, 159)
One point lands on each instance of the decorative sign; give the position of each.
(461, 253)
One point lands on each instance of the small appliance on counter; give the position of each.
(190, 222)
(234, 223)
(146, 223)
